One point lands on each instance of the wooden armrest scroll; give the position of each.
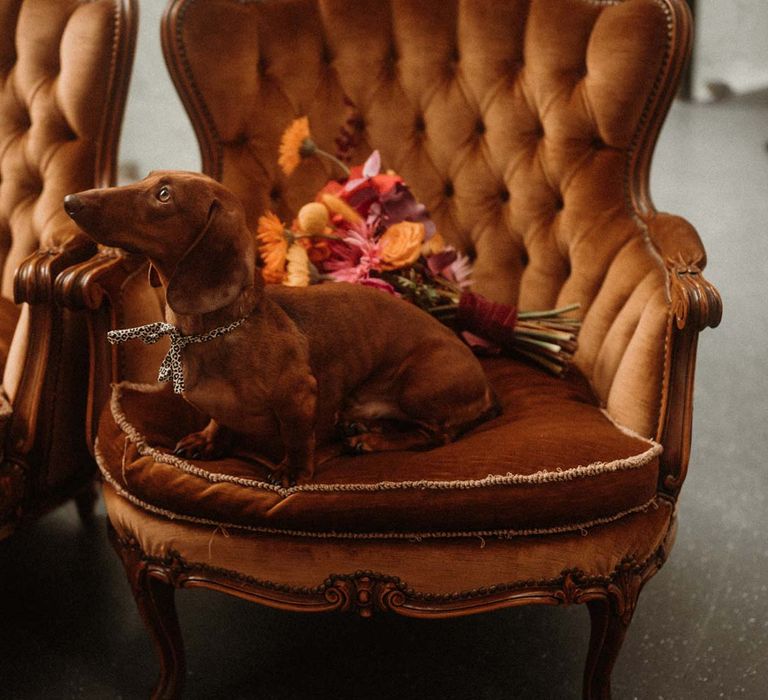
(695, 301)
(84, 286)
(696, 305)
(35, 278)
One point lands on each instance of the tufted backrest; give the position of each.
(61, 93)
(525, 126)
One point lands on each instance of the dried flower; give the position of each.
(401, 244)
(273, 247)
(297, 274)
(433, 246)
(313, 218)
(336, 205)
(295, 144)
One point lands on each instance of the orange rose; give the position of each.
(400, 244)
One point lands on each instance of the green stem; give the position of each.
(333, 159)
(548, 314)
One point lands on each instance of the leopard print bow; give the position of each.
(171, 368)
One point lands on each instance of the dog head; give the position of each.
(190, 227)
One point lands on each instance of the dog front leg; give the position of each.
(296, 416)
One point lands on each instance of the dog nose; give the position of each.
(73, 204)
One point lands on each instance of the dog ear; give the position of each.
(215, 268)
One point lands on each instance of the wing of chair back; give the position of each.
(527, 128)
(65, 66)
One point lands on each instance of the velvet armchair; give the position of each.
(65, 67)
(527, 128)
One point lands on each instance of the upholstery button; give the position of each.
(538, 131)
(479, 127)
(455, 56)
(504, 195)
(327, 56)
(598, 143)
(559, 203)
(524, 259)
(448, 190)
(392, 55)
(274, 193)
(263, 65)
(419, 124)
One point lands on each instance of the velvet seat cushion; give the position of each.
(9, 316)
(552, 462)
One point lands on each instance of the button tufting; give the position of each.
(419, 124)
(559, 203)
(392, 55)
(263, 65)
(524, 259)
(597, 143)
(504, 194)
(327, 56)
(455, 56)
(480, 127)
(448, 190)
(275, 193)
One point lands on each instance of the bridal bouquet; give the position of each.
(367, 228)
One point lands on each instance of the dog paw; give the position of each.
(357, 445)
(198, 446)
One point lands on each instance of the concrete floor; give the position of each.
(69, 628)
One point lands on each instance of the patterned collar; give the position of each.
(171, 368)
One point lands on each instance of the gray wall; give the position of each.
(156, 133)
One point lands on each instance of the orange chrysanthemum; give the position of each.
(273, 247)
(295, 144)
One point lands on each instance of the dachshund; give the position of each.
(313, 361)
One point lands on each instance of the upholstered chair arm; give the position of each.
(695, 304)
(110, 290)
(638, 341)
(45, 363)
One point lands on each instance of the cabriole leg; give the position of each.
(155, 601)
(608, 630)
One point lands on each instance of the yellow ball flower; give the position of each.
(298, 267)
(313, 218)
(400, 244)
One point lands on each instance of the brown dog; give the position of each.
(309, 359)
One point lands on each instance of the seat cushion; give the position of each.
(9, 316)
(552, 462)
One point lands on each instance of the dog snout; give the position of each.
(73, 205)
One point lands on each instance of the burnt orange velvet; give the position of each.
(428, 566)
(547, 425)
(54, 78)
(517, 122)
(9, 315)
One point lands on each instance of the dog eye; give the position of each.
(164, 193)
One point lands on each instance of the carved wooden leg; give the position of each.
(155, 601)
(86, 503)
(609, 625)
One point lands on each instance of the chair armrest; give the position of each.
(95, 289)
(694, 300)
(695, 305)
(44, 441)
(35, 278)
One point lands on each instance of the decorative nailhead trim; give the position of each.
(320, 534)
(541, 477)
